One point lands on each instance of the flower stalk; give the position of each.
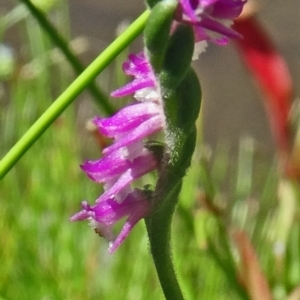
(159, 233)
(181, 96)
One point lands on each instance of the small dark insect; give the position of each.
(99, 232)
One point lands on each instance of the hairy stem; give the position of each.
(159, 232)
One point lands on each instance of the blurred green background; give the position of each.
(44, 256)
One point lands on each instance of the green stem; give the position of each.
(67, 97)
(159, 232)
(58, 40)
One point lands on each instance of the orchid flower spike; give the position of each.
(127, 159)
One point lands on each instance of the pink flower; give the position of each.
(103, 215)
(138, 67)
(127, 159)
(211, 19)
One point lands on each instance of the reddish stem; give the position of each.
(272, 76)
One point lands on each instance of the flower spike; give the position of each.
(128, 158)
(167, 98)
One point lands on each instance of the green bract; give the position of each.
(157, 32)
(177, 59)
(152, 3)
(170, 53)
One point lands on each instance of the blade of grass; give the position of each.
(69, 95)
